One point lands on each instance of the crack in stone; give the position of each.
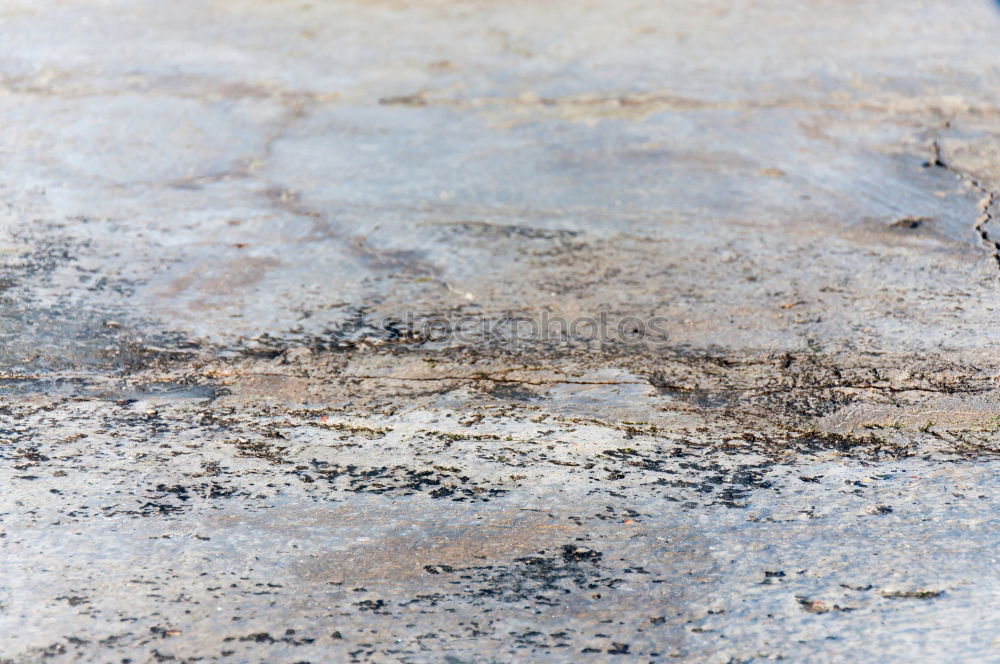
(883, 388)
(985, 205)
(752, 391)
(495, 379)
(985, 217)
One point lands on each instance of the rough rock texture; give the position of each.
(213, 450)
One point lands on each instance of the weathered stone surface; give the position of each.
(214, 451)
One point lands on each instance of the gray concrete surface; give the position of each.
(213, 451)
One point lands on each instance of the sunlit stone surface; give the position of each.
(213, 450)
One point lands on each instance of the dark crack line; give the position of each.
(985, 217)
(754, 391)
(881, 388)
(432, 379)
(985, 203)
(495, 379)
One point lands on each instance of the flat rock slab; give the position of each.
(318, 331)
